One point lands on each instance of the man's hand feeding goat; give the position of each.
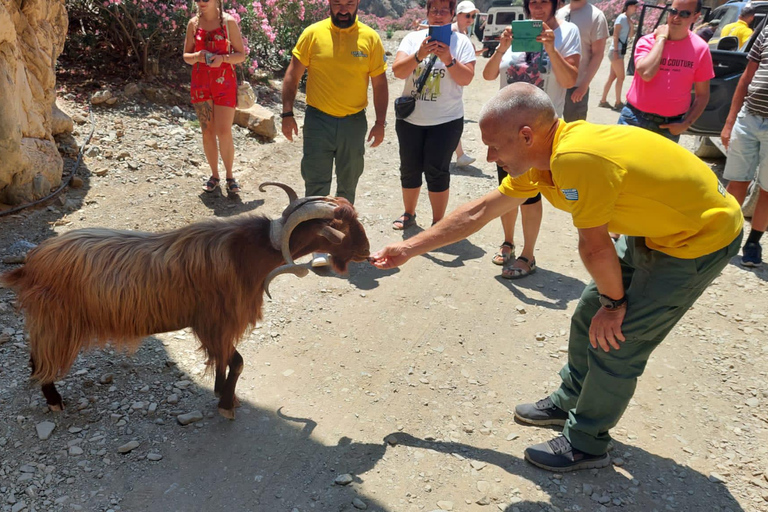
(92, 286)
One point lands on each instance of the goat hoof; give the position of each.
(227, 413)
(56, 407)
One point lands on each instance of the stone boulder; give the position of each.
(257, 119)
(32, 35)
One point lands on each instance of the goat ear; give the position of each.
(332, 235)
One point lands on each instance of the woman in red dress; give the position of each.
(213, 46)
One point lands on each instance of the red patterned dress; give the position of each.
(217, 84)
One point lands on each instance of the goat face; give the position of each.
(348, 241)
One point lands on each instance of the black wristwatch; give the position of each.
(612, 304)
(453, 61)
(286, 114)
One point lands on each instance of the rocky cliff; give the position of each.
(32, 35)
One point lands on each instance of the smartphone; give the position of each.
(209, 58)
(524, 34)
(441, 33)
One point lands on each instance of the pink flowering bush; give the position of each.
(151, 32)
(612, 9)
(405, 22)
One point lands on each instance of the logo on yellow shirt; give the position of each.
(571, 194)
(360, 54)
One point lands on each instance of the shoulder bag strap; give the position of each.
(422, 80)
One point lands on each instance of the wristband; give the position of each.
(453, 62)
(286, 114)
(416, 58)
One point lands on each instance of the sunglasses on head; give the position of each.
(682, 14)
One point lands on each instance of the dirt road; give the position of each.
(434, 355)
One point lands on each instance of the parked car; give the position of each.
(500, 15)
(729, 12)
(728, 66)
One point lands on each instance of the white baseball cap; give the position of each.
(466, 7)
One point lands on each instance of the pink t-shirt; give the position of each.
(683, 63)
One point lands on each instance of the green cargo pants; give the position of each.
(597, 386)
(327, 138)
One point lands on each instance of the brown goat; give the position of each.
(92, 286)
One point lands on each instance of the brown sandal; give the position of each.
(500, 258)
(405, 221)
(512, 272)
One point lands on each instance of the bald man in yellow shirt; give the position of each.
(679, 230)
(740, 28)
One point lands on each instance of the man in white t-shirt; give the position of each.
(593, 29)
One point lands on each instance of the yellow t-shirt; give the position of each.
(339, 62)
(739, 29)
(637, 182)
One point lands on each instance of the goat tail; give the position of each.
(51, 354)
(53, 341)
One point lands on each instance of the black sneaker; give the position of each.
(752, 255)
(542, 413)
(559, 456)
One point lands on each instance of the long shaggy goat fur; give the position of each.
(91, 286)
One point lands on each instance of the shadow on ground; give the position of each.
(671, 479)
(558, 288)
(227, 205)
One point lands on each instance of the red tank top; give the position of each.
(214, 41)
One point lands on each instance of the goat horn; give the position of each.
(295, 205)
(292, 196)
(297, 270)
(276, 226)
(308, 211)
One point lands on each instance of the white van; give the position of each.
(500, 15)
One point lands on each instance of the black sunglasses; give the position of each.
(470, 16)
(682, 14)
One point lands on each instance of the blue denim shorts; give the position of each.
(629, 117)
(748, 151)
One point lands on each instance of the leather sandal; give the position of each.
(512, 272)
(211, 184)
(406, 220)
(232, 186)
(502, 257)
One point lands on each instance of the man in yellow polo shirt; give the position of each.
(740, 28)
(341, 54)
(679, 231)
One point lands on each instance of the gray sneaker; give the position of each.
(559, 455)
(541, 414)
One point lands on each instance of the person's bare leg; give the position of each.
(439, 202)
(607, 87)
(204, 111)
(760, 217)
(531, 215)
(459, 150)
(508, 221)
(738, 189)
(505, 252)
(410, 200)
(618, 70)
(222, 121)
(531, 219)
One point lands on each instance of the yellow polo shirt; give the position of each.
(637, 182)
(339, 63)
(739, 29)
